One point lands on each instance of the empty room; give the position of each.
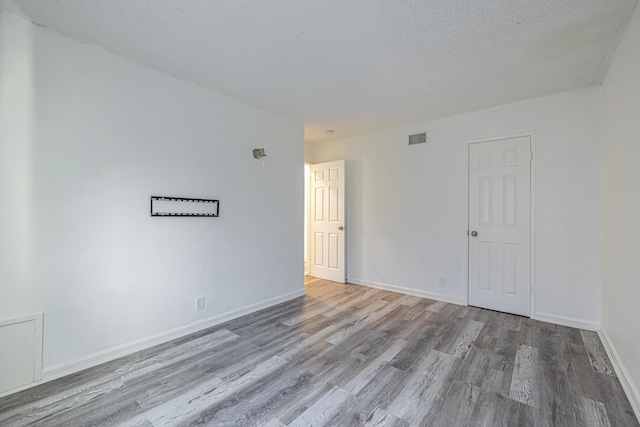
(319, 213)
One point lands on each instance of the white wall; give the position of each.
(16, 115)
(406, 208)
(85, 138)
(621, 208)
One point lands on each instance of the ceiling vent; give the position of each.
(418, 138)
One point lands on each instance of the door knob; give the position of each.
(341, 228)
(474, 233)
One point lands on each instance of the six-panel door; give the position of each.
(500, 224)
(327, 247)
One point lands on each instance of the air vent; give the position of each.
(418, 138)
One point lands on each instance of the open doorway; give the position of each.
(325, 221)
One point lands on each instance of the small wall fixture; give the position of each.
(259, 153)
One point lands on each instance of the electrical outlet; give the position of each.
(200, 304)
(443, 282)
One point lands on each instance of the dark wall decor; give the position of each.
(183, 206)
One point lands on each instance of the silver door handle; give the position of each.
(341, 228)
(474, 233)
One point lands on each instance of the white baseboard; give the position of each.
(567, 321)
(408, 291)
(628, 386)
(68, 367)
(544, 317)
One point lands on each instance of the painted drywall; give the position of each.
(309, 152)
(86, 137)
(407, 214)
(16, 171)
(308, 159)
(621, 208)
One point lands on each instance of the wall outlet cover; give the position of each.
(200, 303)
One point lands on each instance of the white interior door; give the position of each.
(500, 225)
(327, 248)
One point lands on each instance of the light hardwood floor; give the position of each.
(346, 355)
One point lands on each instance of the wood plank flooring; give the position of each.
(346, 355)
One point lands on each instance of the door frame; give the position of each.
(532, 209)
(309, 216)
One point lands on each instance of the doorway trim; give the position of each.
(307, 216)
(532, 208)
(336, 274)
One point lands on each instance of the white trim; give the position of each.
(572, 322)
(628, 386)
(503, 137)
(338, 275)
(39, 339)
(532, 234)
(307, 202)
(90, 360)
(22, 387)
(467, 214)
(69, 367)
(20, 319)
(532, 210)
(408, 291)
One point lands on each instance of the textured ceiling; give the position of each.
(355, 65)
